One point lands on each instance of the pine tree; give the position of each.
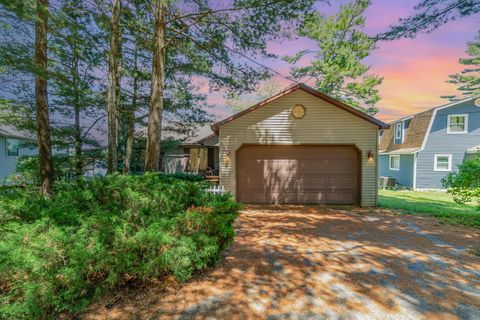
(264, 91)
(202, 40)
(429, 15)
(75, 57)
(112, 89)
(468, 80)
(338, 67)
(47, 175)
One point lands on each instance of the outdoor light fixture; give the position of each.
(228, 156)
(370, 155)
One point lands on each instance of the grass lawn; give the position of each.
(436, 204)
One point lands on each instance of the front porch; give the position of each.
(201, 157)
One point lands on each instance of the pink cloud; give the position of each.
(414, 70)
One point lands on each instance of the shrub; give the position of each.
(28, 167)
(183, 176)
(57, 255)
(464, 185)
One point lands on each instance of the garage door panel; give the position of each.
(298, 174)
(286, 169)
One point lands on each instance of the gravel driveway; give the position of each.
(298, 262)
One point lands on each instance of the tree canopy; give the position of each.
(338, 65)
(106, 53)
(468, 80)
(429, 15)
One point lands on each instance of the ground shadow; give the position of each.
(318, 262)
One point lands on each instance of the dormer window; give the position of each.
(398, 133)
(457, 124)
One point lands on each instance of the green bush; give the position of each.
(464, 185)
(59, 254)
(28, 167)
(183, 176)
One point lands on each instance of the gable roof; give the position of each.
(418, 130)
(419, 125)
(300, 86)
(12, 132)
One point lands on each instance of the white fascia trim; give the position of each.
(434, 115)
(457, 102)
(398, 152)
(401, 119)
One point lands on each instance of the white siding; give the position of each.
(322, 124)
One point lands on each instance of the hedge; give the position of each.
(60, 254)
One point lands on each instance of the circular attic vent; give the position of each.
(298, 111)
(477, 102)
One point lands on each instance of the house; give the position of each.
(13, 144)
(419, 150)
(197, 154)
(300, 147)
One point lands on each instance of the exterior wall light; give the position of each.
(370, 155)
(227, 157)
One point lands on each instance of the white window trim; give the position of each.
(465, 130)
(398, 134)
(390, 162)
(435, 157)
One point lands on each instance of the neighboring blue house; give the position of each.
(420, 150)
(13, 144)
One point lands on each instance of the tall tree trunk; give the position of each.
(112, 94)
(152, 152)
(77, 126)
(131, 115)
(41, 102)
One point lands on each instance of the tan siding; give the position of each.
(323, 124)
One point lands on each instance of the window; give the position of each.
(398, 131)
(457, 123)
(12, 147)
(394, 162)
(406, 125)
(443, 162)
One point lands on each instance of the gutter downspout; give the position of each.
(415, 156)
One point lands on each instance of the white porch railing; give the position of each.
(216, 189)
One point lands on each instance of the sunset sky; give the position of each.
(414, 70)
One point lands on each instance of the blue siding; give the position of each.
(404, 176)
(7, 163)
(439, 142)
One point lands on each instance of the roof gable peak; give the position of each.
(301, 86)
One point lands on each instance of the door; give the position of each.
(302, 174)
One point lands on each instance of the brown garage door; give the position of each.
(298, 175)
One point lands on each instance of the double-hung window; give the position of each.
(443, 162)
(457, 124)
(398, 131)
(394, 162)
